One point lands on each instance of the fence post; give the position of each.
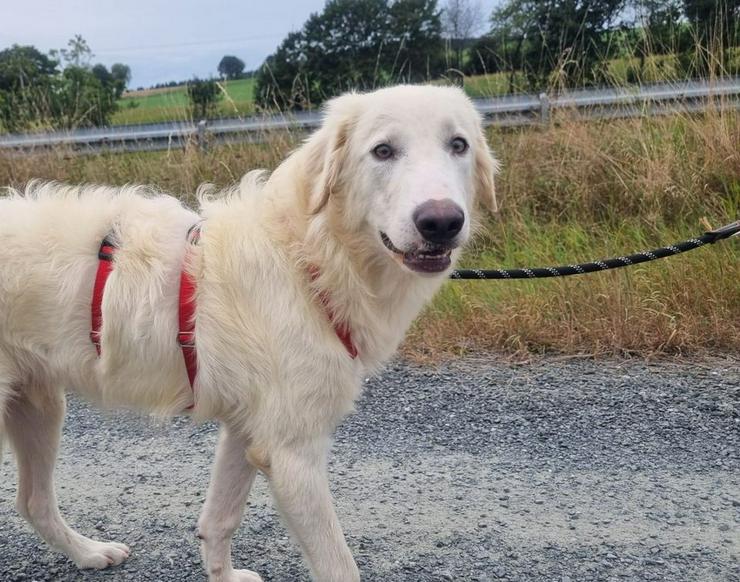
(200, 140)
(544, 109)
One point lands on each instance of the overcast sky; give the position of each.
(161, 40)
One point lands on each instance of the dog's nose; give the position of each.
(439, 221)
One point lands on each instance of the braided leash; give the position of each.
(710, 237)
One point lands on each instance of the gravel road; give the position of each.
(475, 471)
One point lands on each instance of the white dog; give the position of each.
(306, 282)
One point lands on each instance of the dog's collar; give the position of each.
(342, 330)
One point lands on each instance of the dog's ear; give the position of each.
(329, 146)
(486, 167)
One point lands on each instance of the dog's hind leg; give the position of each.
(231, 481)
(34, 429)
(299, 483)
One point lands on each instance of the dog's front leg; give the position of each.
(299, 483)
(231, 481)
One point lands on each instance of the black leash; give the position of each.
(710, 237)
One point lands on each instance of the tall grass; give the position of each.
(573, 192)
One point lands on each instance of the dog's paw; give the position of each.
(99, 555)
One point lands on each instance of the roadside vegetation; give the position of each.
(522, 46)
(576, 191)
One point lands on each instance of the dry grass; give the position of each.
(575, 192)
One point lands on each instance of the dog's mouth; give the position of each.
(431, 259)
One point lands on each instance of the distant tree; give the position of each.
(502, 49)
(84, 99)
(34, 91)
(336, 50)
(659, 22)
(352, 44)
(113, 81)
(461, 20)
(77, 53)
(26, 86)
(415, 41)
(231, 67)
(658, 28)
(562, 40)
(102, 74)
(496, 53)
(21, 66)
(121, 77)
(203, 95)
(716, 23)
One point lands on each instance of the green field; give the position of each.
(172, 104)
(238, 99)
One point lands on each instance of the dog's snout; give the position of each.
(439, 221)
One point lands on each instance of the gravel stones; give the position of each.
(473, 471)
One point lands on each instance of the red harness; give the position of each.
(105, 266)
(186, 307)
(186, 312)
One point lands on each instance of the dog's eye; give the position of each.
(383, 151)
(459, 145)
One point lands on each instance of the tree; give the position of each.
(35, 92)
(714, 21)
(204, 95)
(352, 44)
(231, 67)
(658, 28)
(462, 19)
(83, 99)
(20, 66)
(102, 74)
(560, 40)
(415, 41)
(121, 76)
(26, 86)
(77, 53)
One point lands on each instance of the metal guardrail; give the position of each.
(508, 111)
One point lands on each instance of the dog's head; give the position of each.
(404, 166)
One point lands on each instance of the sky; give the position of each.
(162, 40)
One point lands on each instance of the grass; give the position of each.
(493, 85)
(576, 191)
(173, 105)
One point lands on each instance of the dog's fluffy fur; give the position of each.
(271, 368)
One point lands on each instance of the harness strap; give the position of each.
(186, 306)
(186, 312)
(105, 266)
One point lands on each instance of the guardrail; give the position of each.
(508, 111)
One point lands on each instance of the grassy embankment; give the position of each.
(574, 192)
(155, 105)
